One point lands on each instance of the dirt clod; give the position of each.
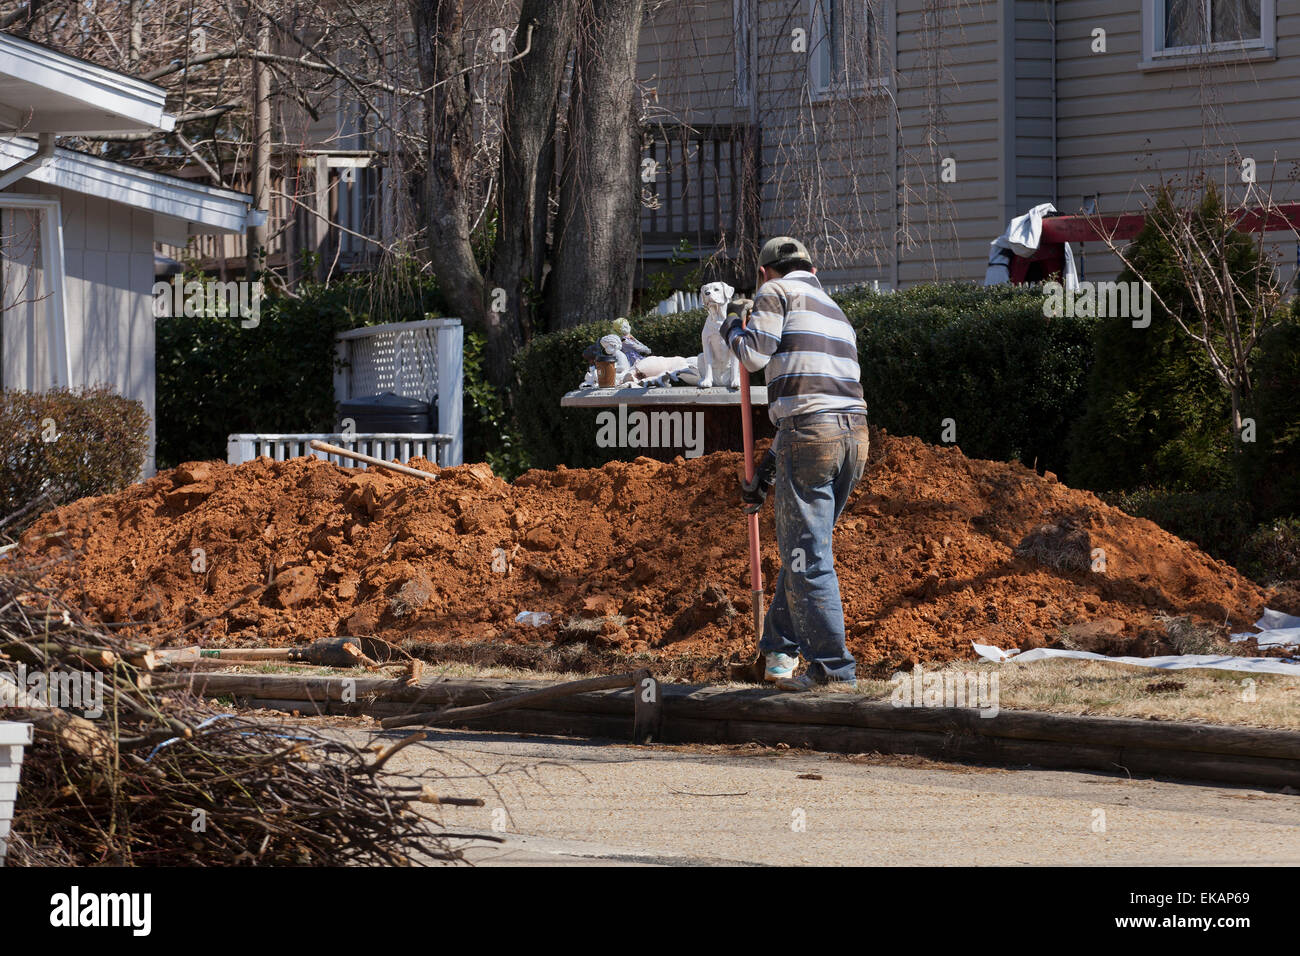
(294, 586)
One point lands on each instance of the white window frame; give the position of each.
(820, 48)
(53, 277)
(1155, 54)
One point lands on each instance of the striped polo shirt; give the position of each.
(798, 333)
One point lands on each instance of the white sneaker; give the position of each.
(804, 683)
(780, 667)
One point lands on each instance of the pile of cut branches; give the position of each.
(128, 770)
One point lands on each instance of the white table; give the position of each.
(676, 395)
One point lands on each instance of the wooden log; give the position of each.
(76, 734)
(145, 660)
(51, 653)
(520, 721)
(177, 656)
(528, 698)
(648, 708)
(846, 710)
(681, 701)
(295, 688)
(1244, 770)
(717, 703)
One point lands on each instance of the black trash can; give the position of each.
(387, 412)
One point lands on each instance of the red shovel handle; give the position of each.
(747, 435)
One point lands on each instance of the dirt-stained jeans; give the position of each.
(820, 458)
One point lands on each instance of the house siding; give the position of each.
(857, 177)
(109, 266)
(949, 105)
(1121, 128)
(1033, 150)
(1022, 104)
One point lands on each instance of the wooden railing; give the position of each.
(704, 190)
(328, 204)
(705, 184)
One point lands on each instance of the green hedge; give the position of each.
(1156, 414)
(216, 378)
(63, 445)
(987, 358)
(1272, 553)
(1271, 464)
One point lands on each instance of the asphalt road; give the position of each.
(560, 801)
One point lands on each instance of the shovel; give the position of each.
(752, 671)
(326, 652)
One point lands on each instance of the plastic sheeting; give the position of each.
(1275, 630)
(1175, 662)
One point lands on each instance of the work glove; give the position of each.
(754, 492)
(737, 311)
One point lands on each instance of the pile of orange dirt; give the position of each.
(634, 559)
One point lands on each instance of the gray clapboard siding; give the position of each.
(1122, 127)
(108, 258)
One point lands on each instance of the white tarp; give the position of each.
(1276, 630)
(1174, 662)
(1022, 237)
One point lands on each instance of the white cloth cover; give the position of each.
(1022, 236)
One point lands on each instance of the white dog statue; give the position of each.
(717, 364)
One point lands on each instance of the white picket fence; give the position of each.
(680, 301)
(403, 447)
(13, 738)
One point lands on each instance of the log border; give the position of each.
(688, 713)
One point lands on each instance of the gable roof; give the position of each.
(45, 91)
(193, 207)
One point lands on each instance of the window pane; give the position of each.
(838, 37)
(1235, 20)
(822, 42)
(862, 53)
(1183, 23)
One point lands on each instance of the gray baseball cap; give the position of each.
(781, 250)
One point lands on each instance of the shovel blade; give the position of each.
(751, 672)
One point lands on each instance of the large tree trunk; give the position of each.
(594, 247)
(258, 237)
(439, 35)
(597, 227)
(528, 155)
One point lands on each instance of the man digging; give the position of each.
(814, 391)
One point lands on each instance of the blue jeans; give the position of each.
(820, 458)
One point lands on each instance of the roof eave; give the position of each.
(206, 208)
(120, 103)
